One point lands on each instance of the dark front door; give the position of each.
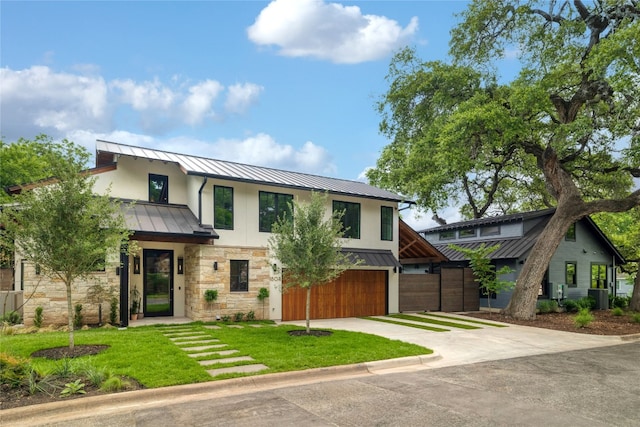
(158, 282)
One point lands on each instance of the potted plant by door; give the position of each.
(210, 296)
(135, 303)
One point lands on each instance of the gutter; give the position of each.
(204, 182)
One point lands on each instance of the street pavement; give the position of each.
(484, 377)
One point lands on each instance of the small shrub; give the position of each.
(76, 387)
(64, 369)
(11, 318)
(588, 302)
(113, 311)
(37, 319)
(210, 295)
(620, 302)
(13, 370)
(571, 306)
(226, 318)
(113, 384)
(635, 317)
(251, 316)
(553, 306)
(583, 318)
(617, 311)
(95, 376)
(238, 316)
(544, 306)
(77, 317)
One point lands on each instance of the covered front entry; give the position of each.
(158, 282)
(355, 293)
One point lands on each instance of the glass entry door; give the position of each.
(158, 282)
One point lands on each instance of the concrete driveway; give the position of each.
(463, 346)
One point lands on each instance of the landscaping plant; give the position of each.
(583, 318)
(37, 318)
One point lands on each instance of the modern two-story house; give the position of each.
(586, 259)
(201, 224)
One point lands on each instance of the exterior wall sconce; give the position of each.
(275, 267)
(395, 269)
(584, 251)
(180, 265)
(117, 270)
(215, 265)
(136, 265)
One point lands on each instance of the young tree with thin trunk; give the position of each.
(564, 129)
(308, 246)
(62, 226)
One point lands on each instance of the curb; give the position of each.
(48, 412)
(632, 337)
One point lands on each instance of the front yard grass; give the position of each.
(145, 354)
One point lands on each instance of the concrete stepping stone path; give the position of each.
(201, 343)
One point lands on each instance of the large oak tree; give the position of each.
(566, 130)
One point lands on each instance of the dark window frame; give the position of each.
(282, 205)
(164, 191)
(447, 235)
(464, 233)
(570, 236)
(222, 225)
(574, 283)
(490, 230)
(601, 266)
(239, 275)
(386, 223)
(352, 218)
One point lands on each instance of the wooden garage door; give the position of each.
(355, 293)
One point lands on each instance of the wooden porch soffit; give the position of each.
(415, 249)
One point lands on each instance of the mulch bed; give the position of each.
(56, 353)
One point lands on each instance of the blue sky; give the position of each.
(288, 84)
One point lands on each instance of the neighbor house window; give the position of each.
(571, 233)
(239, 276)
(599, 276)
(447, 235)
(350, 219)
(158, 188)
(386, 223)
(570, 269)
(466, 233)
(492, 230)
(223, 208)
(273, 206)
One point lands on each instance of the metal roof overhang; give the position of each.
(372, 257)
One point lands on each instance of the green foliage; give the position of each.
(617, 311)
(263, 293)
(571, 305)
(114, 384)
(251, 315)
(484, 271)
(226, 318)
(618, 301)
(13, 370)
(237, 317)
(75, 387)
(113, 311)
(135, 300)
(583, 318)
(210, 295)
(11, 318)
(635, 317)
(544, 306)
(587, 302)
(37, 318)
(77, 316)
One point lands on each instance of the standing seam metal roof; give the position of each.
(194, 165)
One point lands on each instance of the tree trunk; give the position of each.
(525, 294)
(70, 316)
(635, 296)
(308, 308)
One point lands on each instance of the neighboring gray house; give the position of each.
(585, 259)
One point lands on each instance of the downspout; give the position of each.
(204, 182)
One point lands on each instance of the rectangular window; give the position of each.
(599, 276)
(273, 206)
(222, 208)
(386, 223)
(492, 230)
(447, 235)
(350, 219)
(466, 233)
(570, 269)
(158, 188)
(239, 276)
(571, 233)
(22, 264)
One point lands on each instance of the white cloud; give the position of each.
(241, 96)
(199, 104)
(143, 96)
(331, 31)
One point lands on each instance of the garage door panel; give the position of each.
(355, 293)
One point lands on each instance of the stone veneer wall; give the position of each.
(200, 276)
(51, 295)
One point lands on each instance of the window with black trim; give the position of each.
(158, 188)
(386, 223)
(222, 207)
(571, 233)
(271, 207)
(598, 275)
(543, 290)
(239, 276)
(491, 230)
(570, 269)
(350, 219)
(447, 235)
(467, 233)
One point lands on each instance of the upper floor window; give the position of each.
(492, 230)
(571, 233)
(447, 235)
(158, 188)
(222, 208)
(386, 223)
(350, 219)
(467, 232)
(239, 276)
(271, 207)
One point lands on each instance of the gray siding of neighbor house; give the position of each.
(506, 231)
(502, 299)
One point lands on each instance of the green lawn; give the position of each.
(145, 354)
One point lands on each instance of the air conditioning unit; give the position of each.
(557, 291)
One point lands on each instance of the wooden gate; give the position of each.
(454, 289)
(355, 293)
